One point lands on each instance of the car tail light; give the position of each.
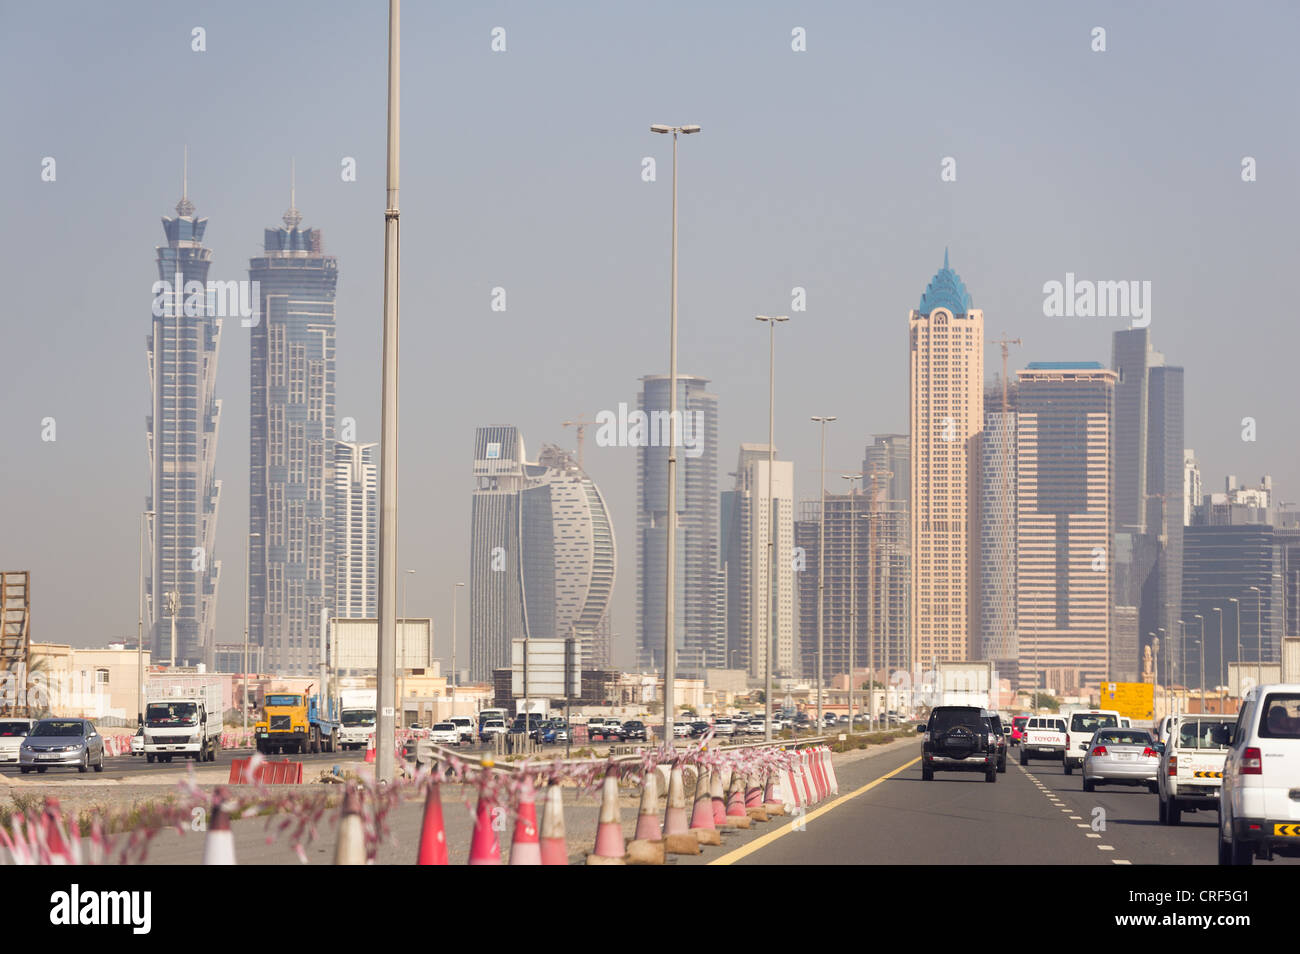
(1173, 765)
(1099, 750)
(1252, 763)
(1149, 753)
(1067, 740)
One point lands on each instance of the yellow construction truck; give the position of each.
(297, 722)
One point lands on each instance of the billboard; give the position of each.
(356, 644)
(548, 662)
(1133, 699)
(1243, 677)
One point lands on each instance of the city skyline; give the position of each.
(988, 215)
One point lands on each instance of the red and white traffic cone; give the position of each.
(702, 824)
(219, 846)
(526, 847)
(610, 848)
(773, 800)
(716, 798)
(433, 834)
(351, 848)
(370, 748)
(819, 767)
(554, 849)
(805, 779)
(737, 817)
(678, 839)
(483, 847)
(55, 845)
(790, 787)
(647, 820)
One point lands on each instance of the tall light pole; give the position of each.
(401, 651)
(853, 584)
(1200, 654)
(1219, 610)
(1182, 642)
(1156, 644)
(247, 543)
(1259, 635)
(670, 583)
(455, 599)
(385, 737)
(1233, 599)
(821, 567)
(772, 513)
(139, 629)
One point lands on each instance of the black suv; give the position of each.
(957, 739)
(634, 731)
(995, 721)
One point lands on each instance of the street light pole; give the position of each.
(455, 593)
(670, 584)
(821, 568)
(247, 543)
(1219, 610)
(1259, 635)
(772, 513)
(1182, 643)
(401, 654)
(385, 737)
(139, 630)
(1200, 654)
(1237, 614)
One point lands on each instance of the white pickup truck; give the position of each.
(1191, 768)
(1079, 728)
(1043, 737)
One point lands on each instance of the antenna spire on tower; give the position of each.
(293, 218)
(185, 207)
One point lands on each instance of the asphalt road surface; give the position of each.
(1037, 815)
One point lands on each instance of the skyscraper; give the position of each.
(946, 413)
(1063, 475)
(1192, 489)
(291, 446)
(701, 639)
(356, 530)
(183, 427)
(889, 456)
(997, 534)
(542, 552)
(755, 622)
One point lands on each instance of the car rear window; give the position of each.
(1205, 735)
(444, 727)
(11, 729)
(1091, 722)
(943, 719)
(1281, 716)
(1123, 737)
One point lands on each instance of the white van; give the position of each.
(1080, 724)
(1259, 808)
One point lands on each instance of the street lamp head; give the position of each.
(660, 128)
(460, 584)
(823, 420)
(687, 130)
(772, 318)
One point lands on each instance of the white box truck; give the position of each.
(357, 715)
(182, 721)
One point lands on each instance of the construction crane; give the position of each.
(1004, 342)
(580, 425)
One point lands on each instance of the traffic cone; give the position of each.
(351, 848)
(219, 846)
(678, 838)
(370, 748)
(773, 801)
(819, 774)
(483, 847)
(647, 821)
(433, 835)
(736, 815)
(554, 849)
(805, 778)
(830, 771)
(715, 796)
(754, 798)
(52, 829)
(526, 847)
(609, 833)
(702, 824)
(790, 788)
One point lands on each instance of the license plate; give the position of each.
(51, 757)
(1125, 756)
(1287, 831)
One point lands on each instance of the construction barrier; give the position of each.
(265, 773)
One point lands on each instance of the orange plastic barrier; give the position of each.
(268, 773)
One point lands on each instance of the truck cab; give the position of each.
(294, 722)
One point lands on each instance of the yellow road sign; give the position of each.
(1133, 699)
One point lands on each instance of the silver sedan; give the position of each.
(1121, 757)
(66, 742)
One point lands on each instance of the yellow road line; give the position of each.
(732, 857)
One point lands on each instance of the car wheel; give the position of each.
(1153, 787)
(991, 775)
(927, 775)
(1162, 812)
(99, 766)
(1068, 767)
(85, 764)
(1002, 766)
(1089, 785)
(1024, 757)
(1174, 812)
(40, 769)
(25, 769)
(149, 757)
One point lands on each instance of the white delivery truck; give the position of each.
(184, 721)
(357, 709)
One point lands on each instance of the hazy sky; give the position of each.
(522, 169)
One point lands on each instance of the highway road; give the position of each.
(1037, 815)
